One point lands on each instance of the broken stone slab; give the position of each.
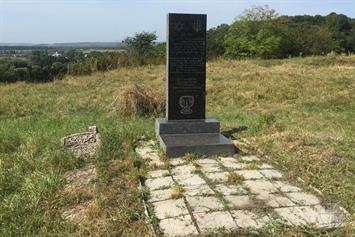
(178, 226)
(316, 215)
(82, 144)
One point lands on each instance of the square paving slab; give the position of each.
(178, 226)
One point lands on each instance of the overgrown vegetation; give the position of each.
(261, 32)
(298, 111)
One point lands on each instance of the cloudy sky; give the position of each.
(49, 21)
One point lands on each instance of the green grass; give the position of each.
(298, 111)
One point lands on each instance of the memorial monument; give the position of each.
(185, 128)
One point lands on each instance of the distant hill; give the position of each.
(68, 45)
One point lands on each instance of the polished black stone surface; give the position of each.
(176, 145)
(186, 66)
(208, 125)
(185, 129)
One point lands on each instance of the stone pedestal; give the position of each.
(200, 136)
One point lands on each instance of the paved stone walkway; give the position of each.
(199, 196)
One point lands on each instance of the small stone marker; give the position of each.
(185, 128)
(82, 144)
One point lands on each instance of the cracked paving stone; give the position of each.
(178, 226)
(158, 174)
(303, 198)
(273, 200)
(247, 219)
(271, 174)
(210, 168)
(154, 159)
(229, 159)
(206, 161)
(177, 161)
(238, 201)
(250, 174)
(260, 186)
(170, 208)
(189, 180)
(230, 189)
(198, 190)
(159, 183)
(218, 177)
(233, 165)
(249, 158)
(183, 170)
(160, 195)
(311, 215)
(213, 221)
(292, 215)
(285, 187)
(204, 204)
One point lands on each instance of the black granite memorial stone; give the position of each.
(185, 128)
(186, 66)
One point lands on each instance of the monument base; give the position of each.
(179, 137)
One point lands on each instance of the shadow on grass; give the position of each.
(229, 133)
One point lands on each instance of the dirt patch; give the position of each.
(80, 179)
(77, 214)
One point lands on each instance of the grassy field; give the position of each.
(300, 112)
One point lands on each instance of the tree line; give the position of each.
(261, 32)
(258, 32)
